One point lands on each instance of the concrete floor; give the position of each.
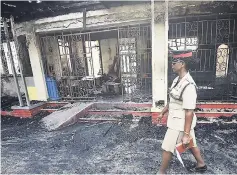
(28, 148)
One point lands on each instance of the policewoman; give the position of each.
(181, 117)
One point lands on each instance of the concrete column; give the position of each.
(37, 67)
(159, 56)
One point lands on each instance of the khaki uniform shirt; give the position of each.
(182, 96)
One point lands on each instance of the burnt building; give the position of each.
(95, 48)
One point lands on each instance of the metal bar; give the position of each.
(202, 31)
(176, 33)
(229, 33)
(121, 65)
(234, 31)
(84, 55)
(211, 31)
(185, 33)
(92, 61)
(130, 68)
(71, 55)
(138, 66)
(101, 60)
(207, 33)
(198, 41)
(12, 62)
(59, 59)
(19, 60)
(215, 54)
(209, 59)
(65, 54)
(172, 31)
(205, 62)
(200, 68)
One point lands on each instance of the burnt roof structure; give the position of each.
(31, 10)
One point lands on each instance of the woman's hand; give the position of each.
(186, 140)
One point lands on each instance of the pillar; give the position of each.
(159, 56)
(37, 67)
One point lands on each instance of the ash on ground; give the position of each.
(126, 147)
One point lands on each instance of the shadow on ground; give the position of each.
(107, 148)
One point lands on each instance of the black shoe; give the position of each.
(198, 169)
